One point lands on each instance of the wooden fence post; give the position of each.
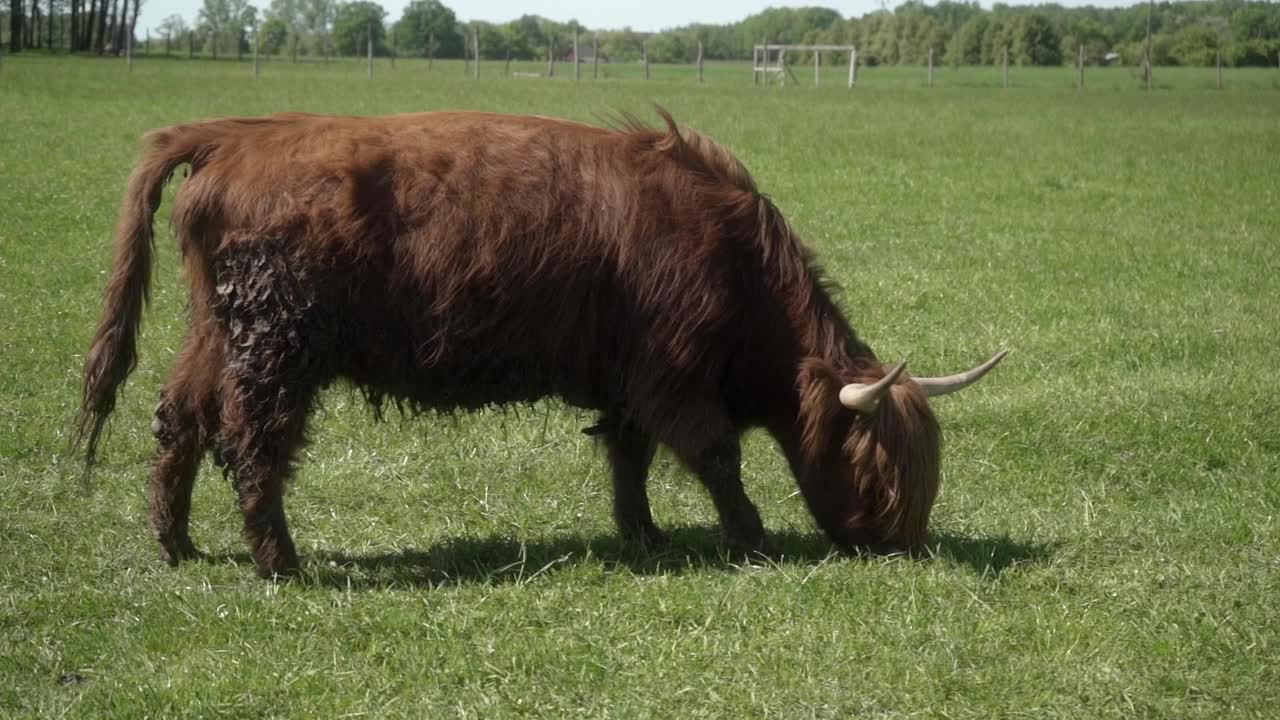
(764, 63)
(166, 43)
(577, 65)
(431, 49)
(595, 56)
(368, 47)
(256, 45)
(1006, 67)
(128, 48)
(644, 52)
(1081, 62)
(146, 49)
(853, 67)
(475, 36)
(1219, 63)
(817, 78)
(506, 70)
(191, 44)
(930, 67)
(551, 59)
(1146, 60)
(699, 61)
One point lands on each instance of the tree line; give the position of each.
(75, 25)
(1244, 32)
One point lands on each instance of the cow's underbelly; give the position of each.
(585, 343)
(473, 382)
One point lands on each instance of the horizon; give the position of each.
(657, 16)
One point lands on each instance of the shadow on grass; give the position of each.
(503, 560)
(987, 556)
(500, 560)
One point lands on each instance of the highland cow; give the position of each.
(451, 261)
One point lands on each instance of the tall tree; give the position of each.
(286, 14)
(317, 17)
(113, 25)
(174, 28)
(215, 18)
(424, 19)
(1035, 42)
(965, 47)
(86, 29)
(124, 24)
(625, 45)
(133, 21)
(354, 23)
(527, 37)
(15, 25)
(241, 18)
(90, 26)
(102, 27)
(274, 34)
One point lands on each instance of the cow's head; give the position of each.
(871, 447)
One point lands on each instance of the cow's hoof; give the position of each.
(175, 551)
(281, 568)
(647, 536)
(753, 547)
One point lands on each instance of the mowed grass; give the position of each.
(1104, 545)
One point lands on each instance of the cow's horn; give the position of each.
(935, 386)
(865, 398)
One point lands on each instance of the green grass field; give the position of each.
(1105, 544)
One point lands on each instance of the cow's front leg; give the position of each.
(719, 466)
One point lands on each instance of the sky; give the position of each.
(648, 15)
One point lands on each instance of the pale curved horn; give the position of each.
(935, 386)
(866, 398)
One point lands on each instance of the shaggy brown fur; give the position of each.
(457, 260)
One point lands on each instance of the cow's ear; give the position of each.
(818, 385)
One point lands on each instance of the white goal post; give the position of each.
(768, 60)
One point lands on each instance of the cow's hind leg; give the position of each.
(185, 423)
(278, 340)
(630, 454)
(263, 424)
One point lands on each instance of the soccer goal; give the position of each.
(770, 61)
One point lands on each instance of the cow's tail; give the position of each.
(114, 352)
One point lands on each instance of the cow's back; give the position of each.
(473, 258)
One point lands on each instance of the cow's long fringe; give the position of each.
(895, 455)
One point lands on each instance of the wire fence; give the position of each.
(781, 66)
